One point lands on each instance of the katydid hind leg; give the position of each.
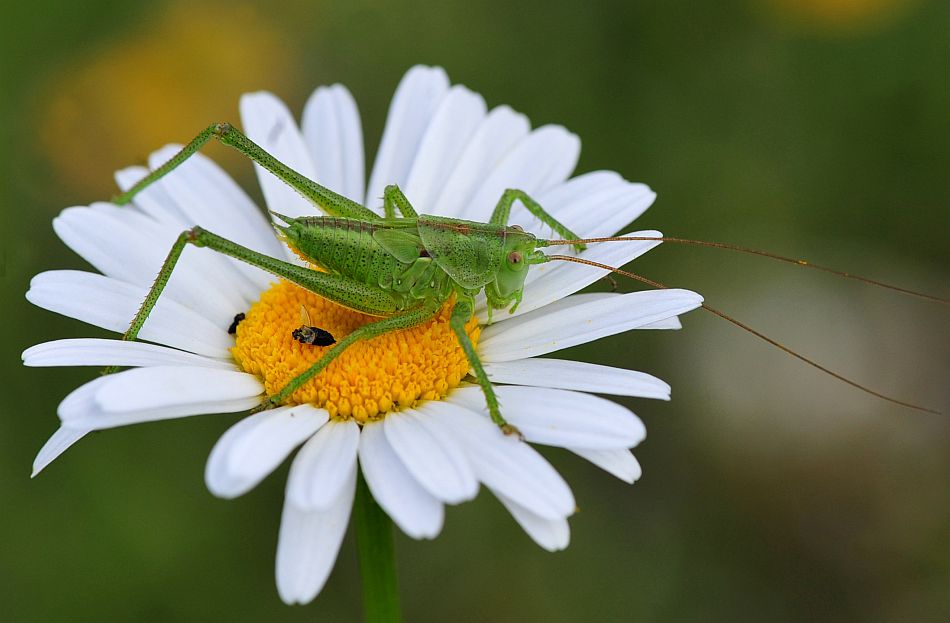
(330, 202)
(339, 289)
(503, 210)
(461, 314)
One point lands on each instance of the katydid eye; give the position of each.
(514, 258)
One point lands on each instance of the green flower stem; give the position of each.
(374, 538)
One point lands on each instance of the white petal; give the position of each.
(673, 322)
(332, 130)
(111, 304)
(493, 138)
(556, 417)
(551, 534)
(542, 331)
(562, 197)
(432, 456)
(102, 352)
(58, 443)
(110, 245)
(148, 394)
(97, 419)
(309, 542)
(578, 376)
(416, 99)
(268, 122)
(582, 299)
(541, 160)
(619, 461)
(255, 446)
(569, 302)
(452, 125)
(615, 212)
(164, 386)
(510, 467)
(81, 401)
(417, 513)
(321, 468)
(131, 214)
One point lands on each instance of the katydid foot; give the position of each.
(511, 429)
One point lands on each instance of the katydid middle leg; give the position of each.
(461, 314)
(503, 209)
(334, 204)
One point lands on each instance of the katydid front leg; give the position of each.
(334, 204)
(461, 314)
(404, 320)
(503, 209)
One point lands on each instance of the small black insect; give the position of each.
(306, 333)
(313, 335)
(234, 324)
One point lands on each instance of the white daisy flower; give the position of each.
(398, 405)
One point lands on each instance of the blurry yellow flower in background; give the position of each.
(179, 68)
(841, 15)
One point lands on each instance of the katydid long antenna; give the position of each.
(741, 249)
(742, 325)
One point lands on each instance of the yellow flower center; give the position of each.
(371, 377)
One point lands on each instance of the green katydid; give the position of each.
(402, 269)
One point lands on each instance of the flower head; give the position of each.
(400, 406)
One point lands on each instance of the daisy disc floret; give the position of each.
(371, 378)
(401, 407)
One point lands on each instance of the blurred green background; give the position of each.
(818, 128)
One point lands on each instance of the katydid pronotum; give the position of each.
(402, 269)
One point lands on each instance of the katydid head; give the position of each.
(519, 250)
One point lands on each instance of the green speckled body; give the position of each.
(363, 251)
(471, 253)
(344, 246)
